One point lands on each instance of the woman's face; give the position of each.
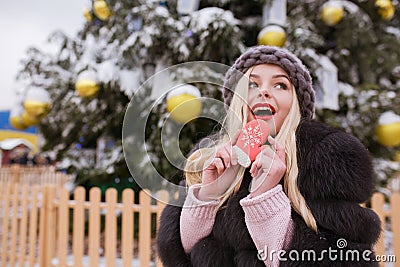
(270, 95)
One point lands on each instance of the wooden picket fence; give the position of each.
(49, 226)
(42, 226)
(392, 214)
(34, 175)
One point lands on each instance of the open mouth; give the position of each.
(263, 111)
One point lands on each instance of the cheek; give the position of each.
(285, 101)
(251, 94)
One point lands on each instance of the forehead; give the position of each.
(267, 70)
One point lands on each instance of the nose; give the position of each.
(264, 92)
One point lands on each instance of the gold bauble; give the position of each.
(397, 156)
(101, 10)
(86, 88)
(37, 109)
(331, 14)
(385, 9)
(87, 13)
(29, 120)
(272, 35)
(17, 123)
(184, 107)
(388, 134)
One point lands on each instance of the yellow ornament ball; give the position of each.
(332, 13)
(37, 109)
(101, 10)
(86, 88)
(87, 14)
(183, 104)
(388, 134)
(397, 156)
(273, 35)
(385, 9)
(17, 122)
(29, 120)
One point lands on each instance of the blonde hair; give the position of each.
(235, 121)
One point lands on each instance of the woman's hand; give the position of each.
(268, 168)
(219, 172)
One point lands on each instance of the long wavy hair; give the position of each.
(235, 120)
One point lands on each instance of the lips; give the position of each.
(263, 111)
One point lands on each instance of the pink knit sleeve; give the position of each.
(197, 218)
(268, 219)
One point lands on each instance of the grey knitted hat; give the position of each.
(298, 74)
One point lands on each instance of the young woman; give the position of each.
(298, 202)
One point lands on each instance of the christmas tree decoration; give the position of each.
(37, 102)
(397, 156)
(87, 86)
(17, 122)
(183, 103)
(185, 7)
(101, 10)
(388, 129)
(385, 8)
(272, 35)
(327, 85)
(144, 34)
(135, 23)
(29, 120)
(87, 13)
(332, 12)
(274, 12)
(273, 21)
(15, 118)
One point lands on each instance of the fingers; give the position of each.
(235, 138)
(279, 149)
(269, 154)
(224, 153)
(219, 165)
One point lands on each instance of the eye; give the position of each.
(253, 85)
(283, 86)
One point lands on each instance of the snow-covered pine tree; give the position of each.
(139, 37)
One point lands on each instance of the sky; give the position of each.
(26, 23)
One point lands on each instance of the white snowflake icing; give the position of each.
(253, 136)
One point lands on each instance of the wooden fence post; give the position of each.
(23, 225)
(127, 226)
(94, 225)
(144, 228)
(6, 197)
(63, 227)
(79, 225)
(14, 224)
(15, 173)
(111, 226)
(33, 224)
(395, 222)
(47, 226)
(377, 202)
(51, 224)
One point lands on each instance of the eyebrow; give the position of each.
(273, 76)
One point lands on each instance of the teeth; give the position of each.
(263, 111)
(262, 108)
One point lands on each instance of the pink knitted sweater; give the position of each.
(267, 218)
